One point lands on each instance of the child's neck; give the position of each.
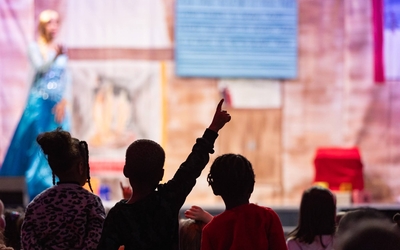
(235, 202)
(139, 194)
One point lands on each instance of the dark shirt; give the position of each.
(152, 223)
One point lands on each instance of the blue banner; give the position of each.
(236, 38)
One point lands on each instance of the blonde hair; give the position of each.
(45, 17)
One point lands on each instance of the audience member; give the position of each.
(149, 218)
(317, 221)
(2, 245)
(354, 217)
(199, 214)
(190, 234)
(242, 225)
(12, 232)
(65, 216)
(190, 229)
(369, 234)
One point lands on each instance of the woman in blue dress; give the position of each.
(46, 108)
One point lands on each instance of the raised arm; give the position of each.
(185, 178)
(197, 213)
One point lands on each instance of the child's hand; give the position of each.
(220, 118)
(126, 191)
(197, 213)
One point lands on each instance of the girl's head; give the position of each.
(317, 214)
(190, 234)
(68, 157)
(231, 175)
(48, 25)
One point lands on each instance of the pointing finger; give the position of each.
(219, 107)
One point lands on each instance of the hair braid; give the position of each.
(83, 147)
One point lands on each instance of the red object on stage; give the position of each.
(339, 166)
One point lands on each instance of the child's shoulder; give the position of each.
(67, 192)
(259, 211)
(260, 207)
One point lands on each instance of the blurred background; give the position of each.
(303, 80)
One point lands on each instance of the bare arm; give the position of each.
(197, 213)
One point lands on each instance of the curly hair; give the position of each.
(63, 152)
(231, 175)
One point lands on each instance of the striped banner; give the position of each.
(386, 21)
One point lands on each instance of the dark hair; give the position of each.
(317, 215)
(369, 234)
(353, 217)
(231, 175)
(190, 234)
(12, 232)
(63, 152)
(143, 159)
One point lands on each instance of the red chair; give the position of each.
(339, 167)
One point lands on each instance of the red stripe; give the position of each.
(106, 166)
(109, 53)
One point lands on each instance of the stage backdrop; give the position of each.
(16, 29)
(121, 54)
(124, 86)
(117, 86)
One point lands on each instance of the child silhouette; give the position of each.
(242, 225)
(149, 218)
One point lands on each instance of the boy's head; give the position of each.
(144, 162)
(231, 175)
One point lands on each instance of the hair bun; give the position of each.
(54, 142)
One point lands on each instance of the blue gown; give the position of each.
(24, 156)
